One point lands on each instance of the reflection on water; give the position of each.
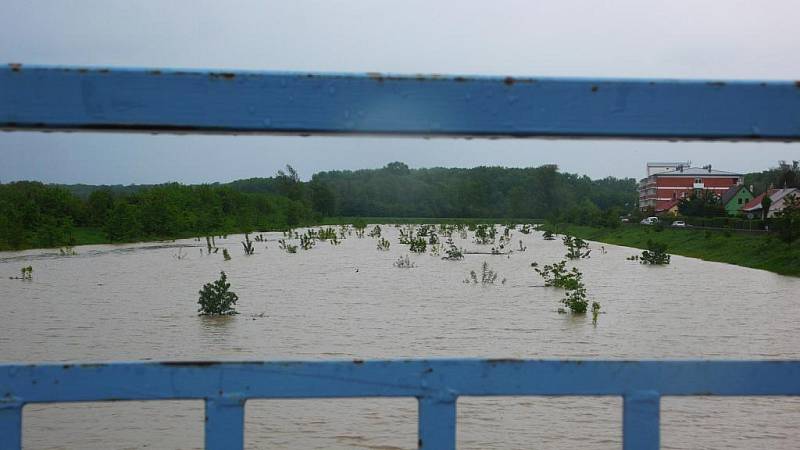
(139, 302)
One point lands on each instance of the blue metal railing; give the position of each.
(157, 100)
(437, 384)
(97, 99)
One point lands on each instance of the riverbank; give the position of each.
(757, 251)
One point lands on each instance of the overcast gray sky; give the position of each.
(630, 38)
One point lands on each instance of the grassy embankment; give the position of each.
(758, 251)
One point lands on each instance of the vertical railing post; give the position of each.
(641, 421)
(224, 427)
(437, 422)
(10, 424)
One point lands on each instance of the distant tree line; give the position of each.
(398, 191)
(33, 214)
(785, 174)
(36, 215)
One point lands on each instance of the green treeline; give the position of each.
(37, 215)
(33, 214)
(540, 192)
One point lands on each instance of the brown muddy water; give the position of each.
(138, 302)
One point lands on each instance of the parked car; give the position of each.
(649, 221)
(679, 224)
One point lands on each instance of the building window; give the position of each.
(698, 180)
(735, 180)
(740, 200)
(674, 195)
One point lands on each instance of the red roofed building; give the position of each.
(661, 190)
(778, 196)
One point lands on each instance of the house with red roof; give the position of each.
(753, 208)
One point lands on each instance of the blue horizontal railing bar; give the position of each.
(194, 101)
(225, 386)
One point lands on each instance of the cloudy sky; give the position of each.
(710, 39)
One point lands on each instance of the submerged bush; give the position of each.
(406, 235)
(216, 298)
(485, 234)
(248, 245)
(418, 245)
(453, 253)
(548, 235)
(376, 232)
(575, 247)
(404, 262)
(27, 274)
(556, 275)
(359, 225)
(383, 244)
(67, 251)
(575, 299)
(488, 276)
(326, 234)
(287, 247)
(656, 253)
(307, 241)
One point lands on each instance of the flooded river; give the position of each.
(139, 302)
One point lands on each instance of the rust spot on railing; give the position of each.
(358, 361)
(190, 363)
(505, 361)
(797, 84)
(155, 72)
(595, 88)
(377, 76)
(509, 81)
(225, 75)
(716, 83)
(15, 67)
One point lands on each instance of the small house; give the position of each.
(735, 198)
(778, 196)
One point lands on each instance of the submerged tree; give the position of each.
(216, 298)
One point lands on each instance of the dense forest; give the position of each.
(33, 214)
